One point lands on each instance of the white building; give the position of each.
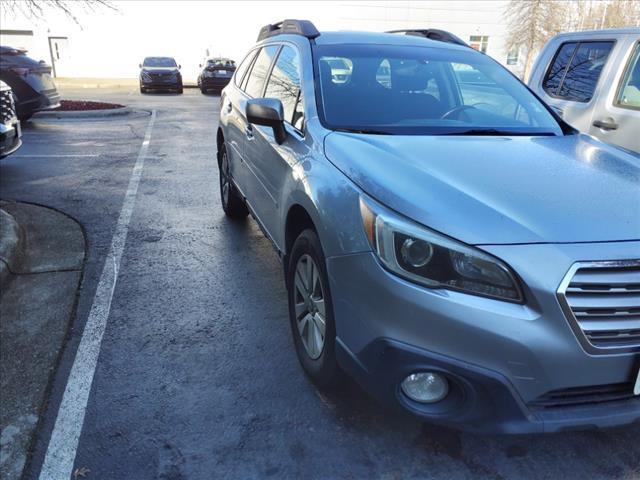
(111, 44)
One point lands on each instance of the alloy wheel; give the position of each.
(225, 181)
(309, 306)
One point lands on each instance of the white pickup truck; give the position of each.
(592, 79)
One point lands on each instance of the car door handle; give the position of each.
(248, 131)
(605, 125)
(229, 107)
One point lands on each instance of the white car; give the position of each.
(592, 79)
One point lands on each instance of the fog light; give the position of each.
(425, 387)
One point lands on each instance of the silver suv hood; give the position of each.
(499, 190)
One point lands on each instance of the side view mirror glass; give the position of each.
(139, 65)
(268, 112)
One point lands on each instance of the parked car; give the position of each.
(592, 79)
(215, 74)
(10, 132)
(160, 73)
(476, 266)
(30, 80)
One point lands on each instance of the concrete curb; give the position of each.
(111, 112)
(11, 244)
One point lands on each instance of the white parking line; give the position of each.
(61, 452)
(54, 156)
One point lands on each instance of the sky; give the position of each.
(117, 41)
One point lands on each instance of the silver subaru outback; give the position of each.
(447, 240)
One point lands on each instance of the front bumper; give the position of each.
(44, 100)
(168, 83)
(10, 139)
(504, 357)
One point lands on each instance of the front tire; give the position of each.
(311, 310)
(232, 203)
(179, 89)
(143, 90)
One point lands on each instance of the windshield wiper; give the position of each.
(498, 132)
(364, 131)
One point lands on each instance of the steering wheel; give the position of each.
(456, 110)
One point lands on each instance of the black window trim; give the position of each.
(266, 83)
(635, 47)
(253, 53)
(248, 73)
(577, 42)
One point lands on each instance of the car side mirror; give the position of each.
(139, 65)
(268, 112)
(179, 67)
(200, 65)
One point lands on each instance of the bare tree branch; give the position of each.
(37, 9)
(530, 23)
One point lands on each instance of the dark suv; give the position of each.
(30, 80)
(215, 74)
(160, 73)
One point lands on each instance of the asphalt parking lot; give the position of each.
(196, 375)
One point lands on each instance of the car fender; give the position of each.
(332, 202)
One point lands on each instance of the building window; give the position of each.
(512, 56)
(479, 42)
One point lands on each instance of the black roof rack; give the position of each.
(433, 34)
(289, 26)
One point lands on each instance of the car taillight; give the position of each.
(20, 71)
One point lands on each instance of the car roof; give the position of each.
(369, 38)
(607, 31)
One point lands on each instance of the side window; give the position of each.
(556, 71)
(240, 71)
(575, 70)
(629, 91)
(259, 71)
(284, 84)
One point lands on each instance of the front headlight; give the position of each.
(434, 260)
(146, 77)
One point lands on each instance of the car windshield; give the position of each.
(159, 62)
(413, 90)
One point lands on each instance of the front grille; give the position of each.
(7, 108)
(602, 302)
(570, 397)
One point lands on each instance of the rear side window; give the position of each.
(629, 92)
(259, 71)
(243, 67)
(284, 82)
(575, 70)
